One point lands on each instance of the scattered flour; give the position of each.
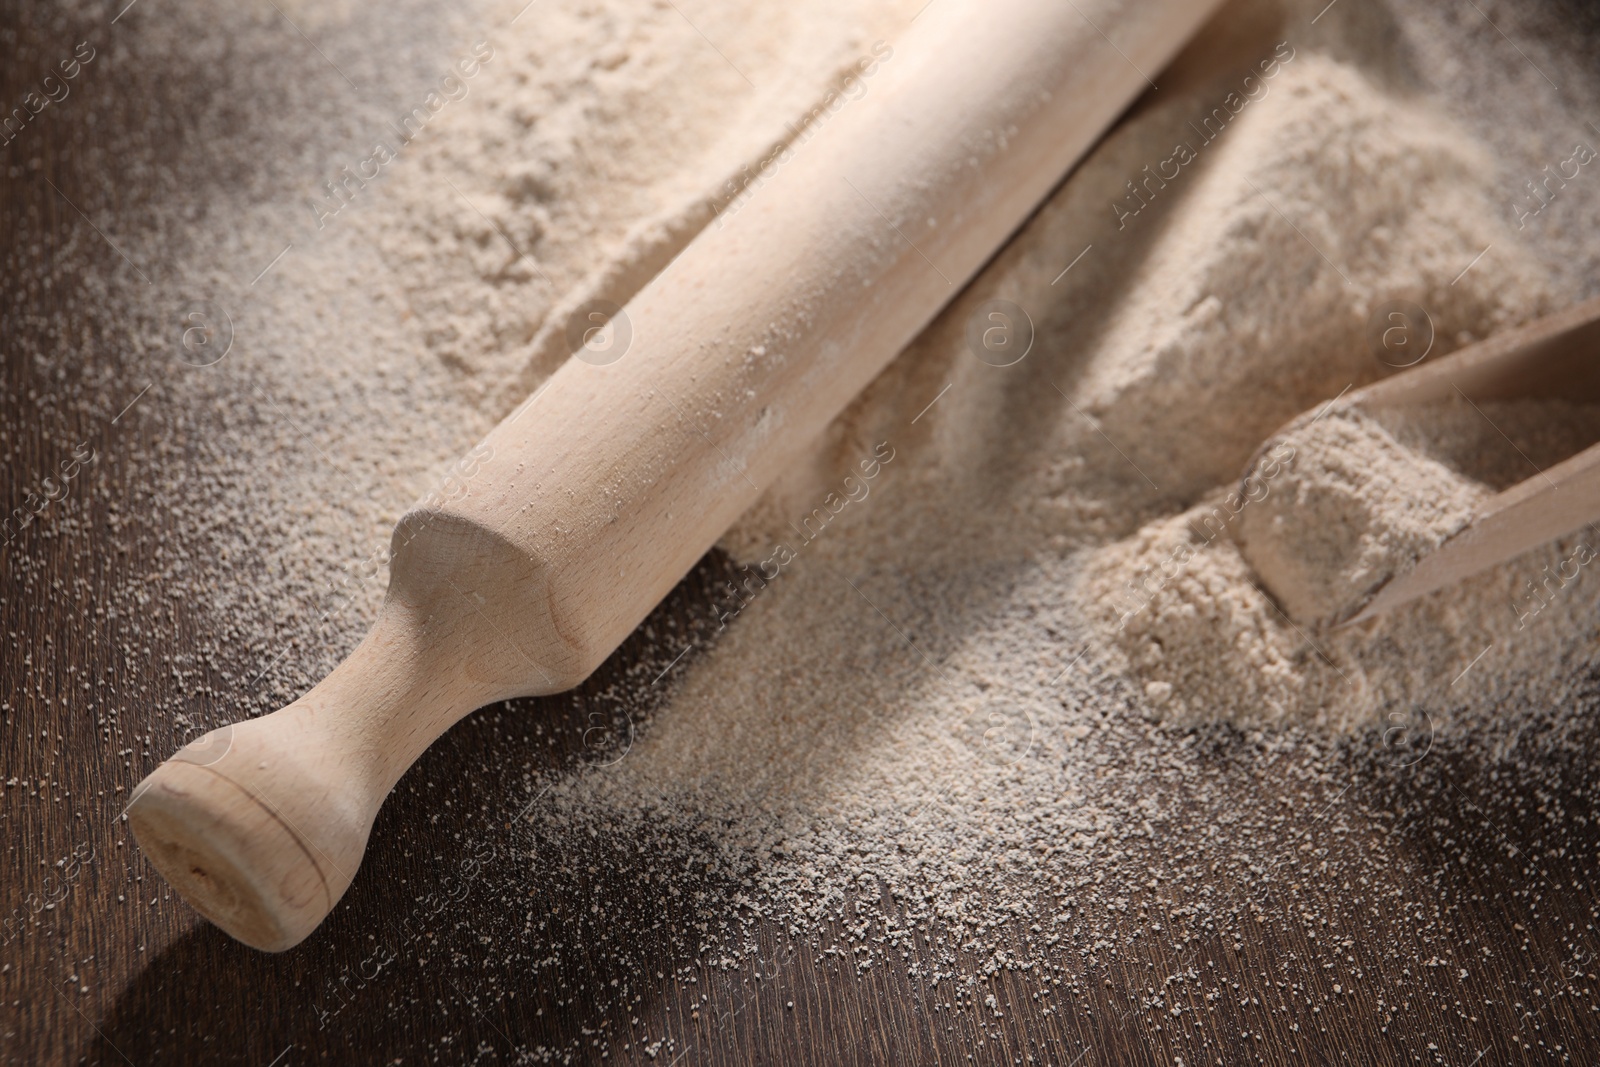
(929, 699)
(949, 721)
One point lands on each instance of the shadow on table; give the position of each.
(446, 943)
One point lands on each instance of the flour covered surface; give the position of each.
(1007, 700)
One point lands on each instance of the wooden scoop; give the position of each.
(595, 497)
(1554, 358)
(1557, 357)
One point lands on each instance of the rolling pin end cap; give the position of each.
(233, 857)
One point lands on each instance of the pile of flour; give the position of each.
(1221, 611)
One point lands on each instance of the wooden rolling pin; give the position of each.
(587, 507)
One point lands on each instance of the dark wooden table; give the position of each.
(1460, 927)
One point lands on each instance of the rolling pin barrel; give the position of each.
(592, 499)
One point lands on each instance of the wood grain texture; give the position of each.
(100, 963)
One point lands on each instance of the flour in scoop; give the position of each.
(1354, 509)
